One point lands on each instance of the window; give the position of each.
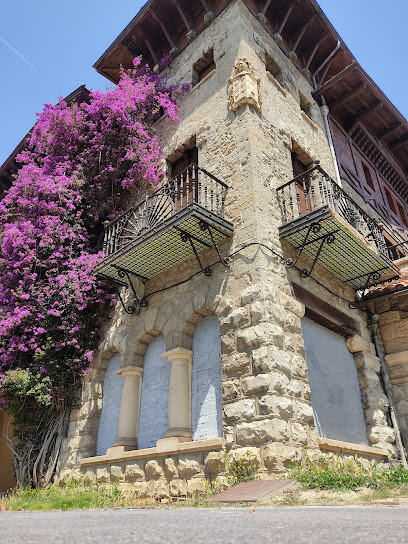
(185, 176)
(402, 213)
(368, 176)
(304, 104)
(390, 200)
(203, 67)
(273, 68)
(302, 184)
(112, 392)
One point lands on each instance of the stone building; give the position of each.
(243, 324)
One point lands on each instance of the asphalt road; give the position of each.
(357, 525)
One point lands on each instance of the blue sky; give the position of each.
(60, 43)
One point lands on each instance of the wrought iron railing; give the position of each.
(314, 189)
(193, 185)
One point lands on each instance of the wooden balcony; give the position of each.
(180, 220)
(321, 221)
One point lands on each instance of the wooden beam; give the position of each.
(399, 143)
(149, 45)
(349, 95)
(286, 16)
(338, 77)
(315, 48)
(302, 32)
(164, 29)
(368, 109)
(388, 130)
(266, 6)
(183, 16)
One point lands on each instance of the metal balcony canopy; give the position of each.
(179, 221)
(324, 223)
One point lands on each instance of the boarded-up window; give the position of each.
(336, 396)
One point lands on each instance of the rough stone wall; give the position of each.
(206, 384)
(111, 394)
(266, 395)
(393, 316)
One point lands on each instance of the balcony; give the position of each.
(180, 220)
(321, 221)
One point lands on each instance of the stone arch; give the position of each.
(206, 377)
(153, 415)
(112, 385)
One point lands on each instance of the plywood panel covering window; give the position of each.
(336, 396)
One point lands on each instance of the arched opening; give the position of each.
(153, 418)
(206, 386)
(111, 395)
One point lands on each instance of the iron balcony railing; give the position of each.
(314, 189)
(193, 186)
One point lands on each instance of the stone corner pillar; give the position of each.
(179, 407)
(129, 407)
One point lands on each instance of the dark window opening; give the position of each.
(184, 177)
(302, 184)
(273, 68)
(203, 67)
(394, 252)
(402, 213)
(304, 104)
(368, 176)
(390, 200)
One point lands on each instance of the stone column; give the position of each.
(129, 407)
(179, 394)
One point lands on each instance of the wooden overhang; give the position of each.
(10, 166)
(304, 34)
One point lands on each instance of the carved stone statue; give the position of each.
(244, 87)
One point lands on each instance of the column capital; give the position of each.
(130, 372)
(178, 354)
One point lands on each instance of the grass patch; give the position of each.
(347, 473)
(72, 496)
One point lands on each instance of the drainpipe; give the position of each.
(325, 112)
(373, 325)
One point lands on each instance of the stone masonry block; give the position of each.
(357, 344)
(276, 406)
(260, 432)
(246, 456)
(102, 475)
(242, 409)
(189, 466)
(269, 358)
(134, 473)
(177, 488)
(214, 462)
(170, 469)
(304, 412)
(255, 385)
(299, 433)
(365, 360)
(278, 455)
(153, 470)
(116, 473)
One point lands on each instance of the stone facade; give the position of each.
(246, 140)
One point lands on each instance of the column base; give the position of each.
(127, 443)
(170, 443)
(178, 432)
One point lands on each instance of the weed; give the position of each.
(340, 473)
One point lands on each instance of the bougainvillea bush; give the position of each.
(80, 164)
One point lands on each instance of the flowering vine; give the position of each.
(82, 164)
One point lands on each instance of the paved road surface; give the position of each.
(332, 525)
